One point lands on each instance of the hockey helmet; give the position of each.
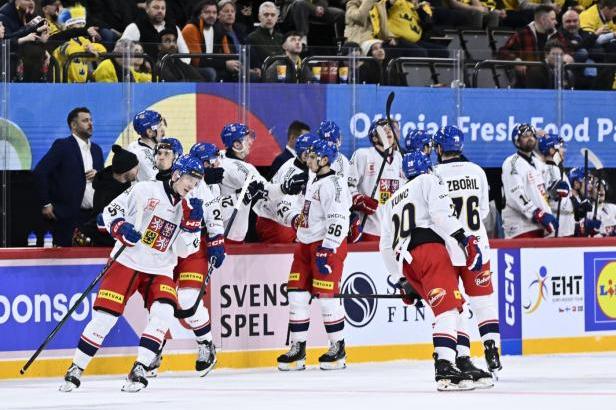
(415, 163)
(416, 140)
(329, 131)
(449, 138)
(323, 148)
(146, 120)
(550, 141)
(304, 142)
(189, 165)
(234, 131)
(172, 144)
(205, 152)
(521, 129)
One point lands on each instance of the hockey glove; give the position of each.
(294, 185)
(213, 176)
(587, 227)
(255, 191)
(193, 214)
(365, 204)
(125, 232)
(547, 220)
(561, 190)
(216, 250)
(355, 229)
(296, 222)
(584, 207)
(409, 294)
(323, 260)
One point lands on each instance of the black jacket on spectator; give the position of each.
(582, 39)
(542, 77)
(111, 14)
(148, 36)
(263, 44)
(106, 189)
(370, 72)
(176, 70)
(14, 27)
(61, 181)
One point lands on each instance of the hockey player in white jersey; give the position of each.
(153, 224)
(418, 140)
(551, 147)
(606, 212)
(330, 131)
(322, 218)
(238, 139)
(365, 164)
(167, 151)
(270, 214)
(469, 192)
(527, 213)
(583, 207)
(413, 250)
(150, 126)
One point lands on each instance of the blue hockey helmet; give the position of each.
(323, 148)
(232, 132)
(205, 152)
(304, 142)
(415, 163)
(521, 129)
(449, 138)
(416, 140)
(189, 165)
(172, 144)
(576, 174)
(550, 141)
(329, 131)
(146, 120)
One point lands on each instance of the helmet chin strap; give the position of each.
(243, 152)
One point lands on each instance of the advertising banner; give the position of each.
(600, 291)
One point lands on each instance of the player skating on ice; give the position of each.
(411, 246)
(153, 223)
(322, 220)
(469, 191)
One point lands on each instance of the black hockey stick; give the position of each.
(560, 199)
(186, 313)
(585, 182)
(68, 314)
(390, 101)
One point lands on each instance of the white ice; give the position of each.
(527, 383)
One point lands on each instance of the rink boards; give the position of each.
(553, 296)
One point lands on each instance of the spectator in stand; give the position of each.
(359, 22)
(228, 39)
(477, 14)
(296, 128)
(79, 68)
(27, 34)
(175, 70)
(371, 72)
(265, 41)
(598, 20)
(199, 36)
(299, 13)
(111, 17)
(407, 21)
(64, 177)
(527, 44)
(146, 29)
(108, 184)
(141, 65)
(51, 9)
(543, 77)
(120, 69)
(293, 71)
(582, 45)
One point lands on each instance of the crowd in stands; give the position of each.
(45, 36)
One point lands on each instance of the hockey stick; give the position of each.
(560, 199)
(84, 295)
(585, 181)
(390, 101)
(186, 313)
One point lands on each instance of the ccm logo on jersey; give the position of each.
(436, 296)
(483, 278)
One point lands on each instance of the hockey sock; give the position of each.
(299, 315)
(161, 315)
(333, 318)
(93, 336)
(444, 335)
(487, 318)
(200, 321)
(464, 342)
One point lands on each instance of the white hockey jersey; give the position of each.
(324, 211)
(342, 168)
(422, 202)
(236, 173)
(147, 163)
(148, 206)
(365, 165)
(469, 191)
(275, 210)
(212, 214)
(606, 213)
(525, 191)
(551, 175)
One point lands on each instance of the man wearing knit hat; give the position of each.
(108, 184)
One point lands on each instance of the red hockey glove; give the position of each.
(547, 220)
(193, 214)
(409, 294)
(365, 204)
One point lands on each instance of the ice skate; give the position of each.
(492, 358)
(294, 359)
(334, 358)
(449, 378)
(72, 379)
(136, 379)
(481, 378)
(207, 358)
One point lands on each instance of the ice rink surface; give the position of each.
(527, 383)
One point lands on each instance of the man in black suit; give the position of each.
(296, 128)
(64, 177)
